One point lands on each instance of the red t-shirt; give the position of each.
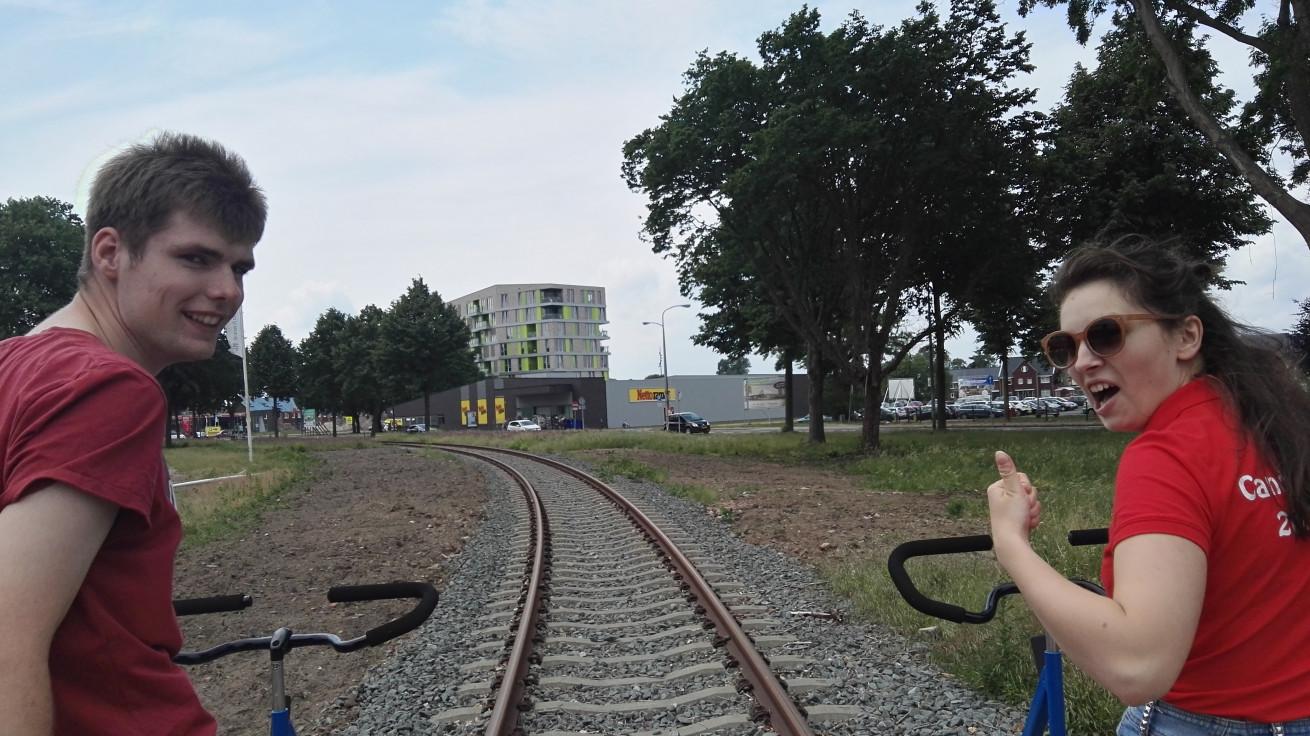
(76, 412)
(1191, 475)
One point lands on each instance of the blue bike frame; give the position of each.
(1047, 708)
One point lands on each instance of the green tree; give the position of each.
(202, 386)
(824, 174)
(1300, 337)
(364, 382)
(41, 243)
(322, 386)
(1123, 159)
(1276, 118)
(734, 366)
(745, 320)
(274, 367)
(425, 346)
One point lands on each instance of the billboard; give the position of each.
(650, 394)
(764, 392)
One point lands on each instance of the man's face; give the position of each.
(175, 300)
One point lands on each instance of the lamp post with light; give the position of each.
(664, 345)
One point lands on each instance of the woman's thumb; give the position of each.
(1005, 466)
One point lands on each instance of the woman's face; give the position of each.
(1126, 388)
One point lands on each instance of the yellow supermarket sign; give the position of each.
(650, 394)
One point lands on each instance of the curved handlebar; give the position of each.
(426, 594)
(958, 545)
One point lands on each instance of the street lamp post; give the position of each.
(664, 345)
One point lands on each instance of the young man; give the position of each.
(87, 525)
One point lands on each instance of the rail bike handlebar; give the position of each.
(284, 640)
(959, 545)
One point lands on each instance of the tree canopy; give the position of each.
(321, 385)
(1122, 158)
(1277, 118)
(424, 345)
(274, 367)
(203, 386)
(41, 242)
(734, 366)
(851, 176)
(365, 385)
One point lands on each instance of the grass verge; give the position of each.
(225, 508)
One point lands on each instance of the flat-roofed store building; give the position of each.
(538, 330)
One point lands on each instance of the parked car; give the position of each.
(978, 410)
(948, 409)
(1003, 408)
(416, 428)
(523, 425)
(911, 410)
(806, 419)
(688, 423)
(1043, 407)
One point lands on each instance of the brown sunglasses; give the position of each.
(1104, 337)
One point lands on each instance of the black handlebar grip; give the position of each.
(215, 604)
(426, 594)
(1081, 537)
(925, 547)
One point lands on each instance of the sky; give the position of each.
(466, 142)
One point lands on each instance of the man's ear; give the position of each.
(108, 252)
(1189, 337)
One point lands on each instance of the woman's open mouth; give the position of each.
(1101, 393)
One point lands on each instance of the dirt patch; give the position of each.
(368, 516)
(386, 514)
(817, 516)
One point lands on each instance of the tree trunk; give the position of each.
(814, 366)
(789, 412)
(275, 417)
(938, 364)
(1268, 188)
(334, 425)
(870, 434)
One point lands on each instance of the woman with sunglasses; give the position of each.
(1205, 628)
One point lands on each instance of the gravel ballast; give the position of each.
(870, 671)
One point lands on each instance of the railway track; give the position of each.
(609, 623)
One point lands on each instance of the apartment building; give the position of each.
(538, 330)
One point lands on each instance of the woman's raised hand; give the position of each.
(1012, 502)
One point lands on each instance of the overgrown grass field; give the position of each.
(1073, 470)
(215, 510)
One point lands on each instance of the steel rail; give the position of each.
(782, 713)
(504, 717)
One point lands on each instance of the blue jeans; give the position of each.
(1166, 720)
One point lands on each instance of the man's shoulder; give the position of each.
(68, 363)
(64, 352)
